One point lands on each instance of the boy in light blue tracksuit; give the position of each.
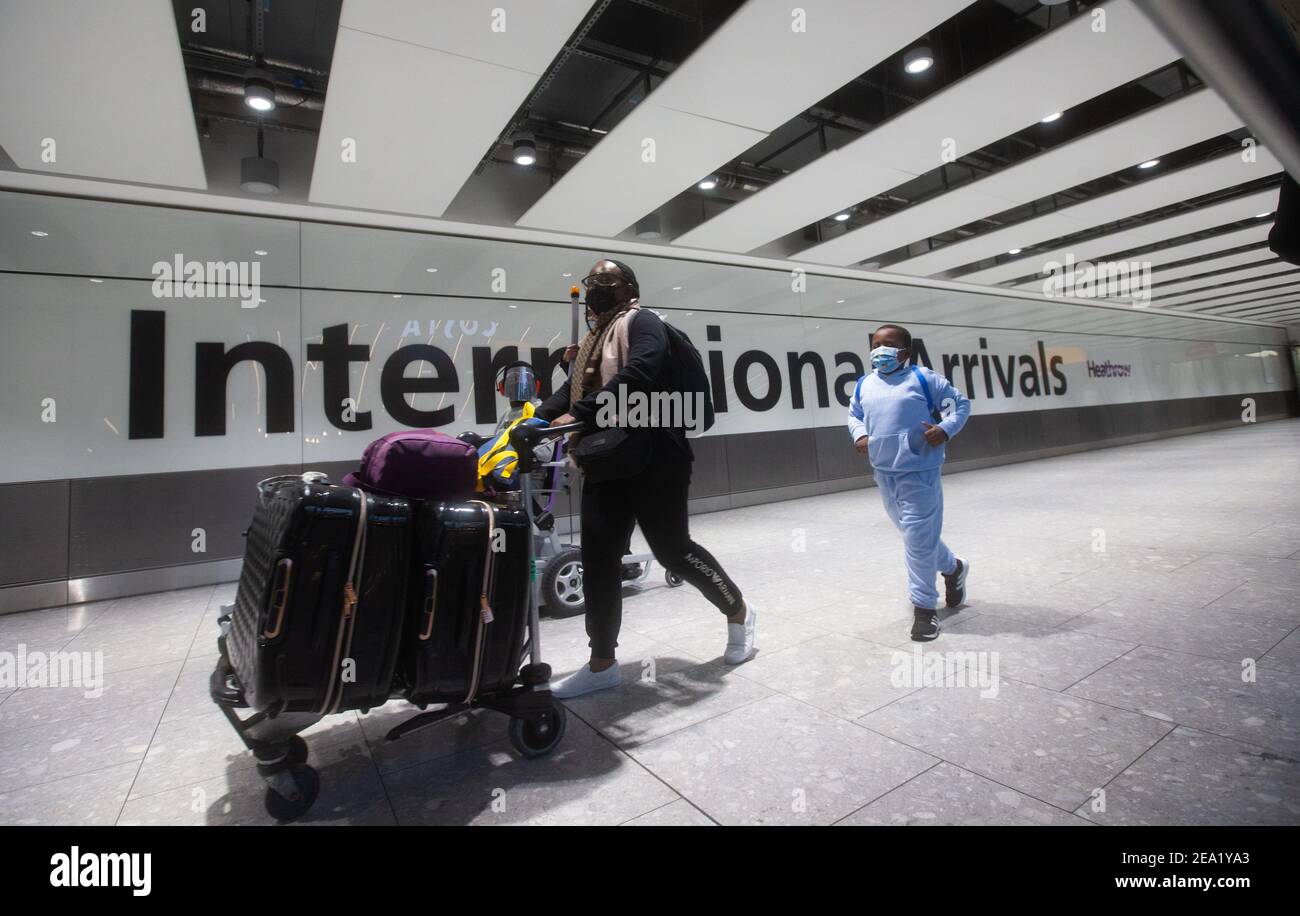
(901, 416)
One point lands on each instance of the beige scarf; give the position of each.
(587, 376)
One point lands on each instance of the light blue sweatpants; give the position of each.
(914, 502)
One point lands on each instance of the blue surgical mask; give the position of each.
(884, 359)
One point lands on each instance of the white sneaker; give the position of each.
(584, 680)
(740, 638)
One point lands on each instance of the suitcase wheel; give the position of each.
(291, 791)
(538, 734)
(673, 579)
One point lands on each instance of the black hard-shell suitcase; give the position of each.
(317, 620)
(455, 649)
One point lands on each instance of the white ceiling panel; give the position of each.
(1193, 181)
(1148, 135)
(1187, 250)
(424, 89)
(1066, 66)
(1283, 303)
(613, 181)
(105, 83)
(1255, 289)
(522, 36)
(1198, 220)
(1240, 275)
(752, 75)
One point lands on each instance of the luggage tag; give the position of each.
(485, 609)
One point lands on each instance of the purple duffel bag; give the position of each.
(418, 463)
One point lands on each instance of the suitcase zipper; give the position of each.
(347, 620)
(485, 608)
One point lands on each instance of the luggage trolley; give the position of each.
(537, 720)
(559, 584)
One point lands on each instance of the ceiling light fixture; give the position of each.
(1014, 251)
(431, 270)
(525, 151)
(1149, 164)
(648, 227)
(40, 234)
(841, 217)
(259, 91)
(260, 252)
(709, 183)
(1050, 118)
(918, 60)
(259, 175)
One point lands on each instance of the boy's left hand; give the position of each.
(934, 434)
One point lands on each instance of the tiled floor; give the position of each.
(1130, 655)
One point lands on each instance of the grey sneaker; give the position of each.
(584, 680)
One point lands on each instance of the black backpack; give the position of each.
(688, 369)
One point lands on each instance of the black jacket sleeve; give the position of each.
(648, 353)
(556, 405)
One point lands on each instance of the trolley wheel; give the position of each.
(292, 791)
(562, 584)
(673, 579)
(297, 749)
(538, 735)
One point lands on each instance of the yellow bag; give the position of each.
(498, 461)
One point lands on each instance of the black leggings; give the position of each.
(656, 500)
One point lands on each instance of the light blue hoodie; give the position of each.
(889, 411)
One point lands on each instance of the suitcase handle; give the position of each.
(430, 601)
(279, 596)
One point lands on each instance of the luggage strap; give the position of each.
(485, 608)
(347, 619)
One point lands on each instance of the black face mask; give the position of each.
(602, 298)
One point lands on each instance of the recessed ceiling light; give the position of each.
(676, 287)
(1050, 118)
(841, 217)
(566, 276)
(96, 280)
(1150, 163)
(40, 234)
(839, 301)
(918, 60)
(514, 306)
(709, 183)
(397, 295)
(525, 151)
(431, 270)
(260, 252)
(1014, 251)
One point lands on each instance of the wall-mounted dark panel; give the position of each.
(759, 461)
(34, 532)
(709, 473)
(137, 522)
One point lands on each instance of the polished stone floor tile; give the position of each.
(945, 795)
(1054, 747)
(1215, 696)
(87, 799)
(779, 761)
(586, 780)
(1211, 632)
(43, 753)
(680, 813)
(1193, 778)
